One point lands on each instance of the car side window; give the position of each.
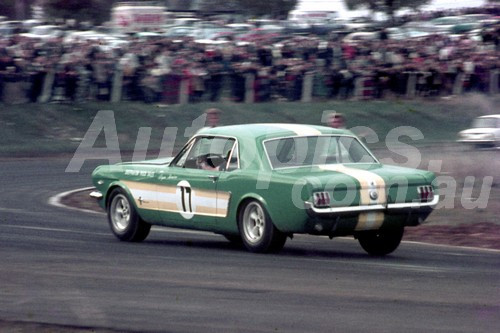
(207, 153)
(233, 159)
(180, 159)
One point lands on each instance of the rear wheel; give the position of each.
(257, 231)
(123, 219)
(380, 242)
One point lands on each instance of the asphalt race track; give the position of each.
(64, 267)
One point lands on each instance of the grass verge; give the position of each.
(51, 129)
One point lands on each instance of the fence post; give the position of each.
(307, 87)
(116, 88)
(184, 91)
(48, 82)
(494, 82)
(249, 88)
(358, 86)
(411, 86)
(458, 86)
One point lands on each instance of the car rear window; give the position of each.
(316, 150)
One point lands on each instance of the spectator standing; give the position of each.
(213, 117)
(215, 76)
(336, 120)
(37, 73)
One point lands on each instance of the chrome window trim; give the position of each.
(188, 150)
(235, 148)
(309, 136)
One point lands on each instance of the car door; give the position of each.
(187, 192)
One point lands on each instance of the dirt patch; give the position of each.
(480, 235)
(82, 200)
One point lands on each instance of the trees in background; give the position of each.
(251, 8)
(95, 11)
(16, 9)
(98, 11)
(388, 7)
(273, 8)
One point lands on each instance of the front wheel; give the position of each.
(380, 242)
(123, 219)
(257, 231)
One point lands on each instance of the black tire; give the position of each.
(257, 230)
(123, 219)
(380, 242)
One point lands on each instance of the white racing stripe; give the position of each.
(172, 199)
(300, 130)
(203, 201)
(369, 182)
(149, 195)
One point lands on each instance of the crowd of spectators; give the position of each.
(153, 69)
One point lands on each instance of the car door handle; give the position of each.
(214, 178)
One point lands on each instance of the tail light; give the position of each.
(426, 193)
(321, 199)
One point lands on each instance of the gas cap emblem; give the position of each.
(373, 191)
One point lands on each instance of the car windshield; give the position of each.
(316, 150)
(484, 123)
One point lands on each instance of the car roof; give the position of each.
(271, 130)
(491, 116)
(251, 137)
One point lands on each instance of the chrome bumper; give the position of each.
(96, 195)
(371, 208)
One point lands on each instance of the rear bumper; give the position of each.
(344, 221)
(348, 210)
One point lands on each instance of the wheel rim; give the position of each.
(254, 222)
(120, 212)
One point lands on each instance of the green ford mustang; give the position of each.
(259, 184)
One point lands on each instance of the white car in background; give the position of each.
(106, 42)
(180, 31)
(359, 24)
(44, 32)
(485, 132)
(361, 36)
